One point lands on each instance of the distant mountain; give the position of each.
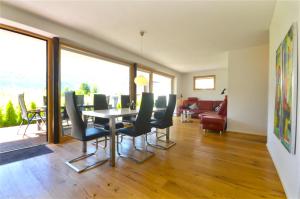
(17, 81)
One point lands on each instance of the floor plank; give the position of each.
(232, 165)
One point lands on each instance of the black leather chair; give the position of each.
(79, 102)
(100, 103)
(165, 123)
(161, 102)
(81, 132)
(140, 127)
(125, 103)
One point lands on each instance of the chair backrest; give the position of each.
(108, 99)
(100, 103)
(45, 101)
(78, 126)
(21, 100)
(142, 124)
(161, 102)
(167, 119)
(80, 100)
(125, 101)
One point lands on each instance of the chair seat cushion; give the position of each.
(130, 119)
(118, 126)
(93, 133)
(159, 124)
(159, 115)
(127, 131)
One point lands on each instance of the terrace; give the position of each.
(11, 140)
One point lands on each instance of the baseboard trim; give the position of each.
(277, 170)
(248, 133)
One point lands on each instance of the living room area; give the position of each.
(227, 74)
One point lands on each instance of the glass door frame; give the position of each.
(49, 74)
(77, 48)
(152, 71)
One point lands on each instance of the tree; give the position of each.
(95, 89)
(10, 115)
(66, 89)
(84, 89)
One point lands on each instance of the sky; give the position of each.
(22, 61)
(109, 78)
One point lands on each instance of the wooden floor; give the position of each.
(198, 166)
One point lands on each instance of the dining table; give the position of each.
(112, 115)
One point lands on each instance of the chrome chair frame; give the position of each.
(164, 123)
(143, 151)
(84, 156)
(168, 143)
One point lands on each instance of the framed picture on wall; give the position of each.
(285, 118)
(278, 93)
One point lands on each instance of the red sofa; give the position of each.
(202, 106)
(215, 121)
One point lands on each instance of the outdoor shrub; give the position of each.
(19, 115)
(1, 118)
(32, 107)
(10, 115)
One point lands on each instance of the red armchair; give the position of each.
(215, 121)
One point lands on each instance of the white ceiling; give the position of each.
(183, 35)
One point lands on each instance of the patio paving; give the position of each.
(10, 140)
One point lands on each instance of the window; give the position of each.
(162, 85)
(141, 89)
(99, 75)
(87, 75)
(204, 82)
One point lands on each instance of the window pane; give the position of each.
(204, 82)
(162, 85)
(141, 89)
(87, 75)
(101, 76)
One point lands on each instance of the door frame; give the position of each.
(49, 74)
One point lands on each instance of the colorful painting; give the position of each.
(278, 95)
(285, 124)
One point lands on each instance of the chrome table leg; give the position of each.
(112, 127)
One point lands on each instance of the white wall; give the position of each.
(288, 165)
(221, 83)
(17, 15)
(248, 90)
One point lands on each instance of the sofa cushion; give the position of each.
(223, 108)
(213, 121)
(217, 108)
(216, 103)
(193, 106)
(205, 105)
(192, 99)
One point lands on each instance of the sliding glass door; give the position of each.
(23, 90)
